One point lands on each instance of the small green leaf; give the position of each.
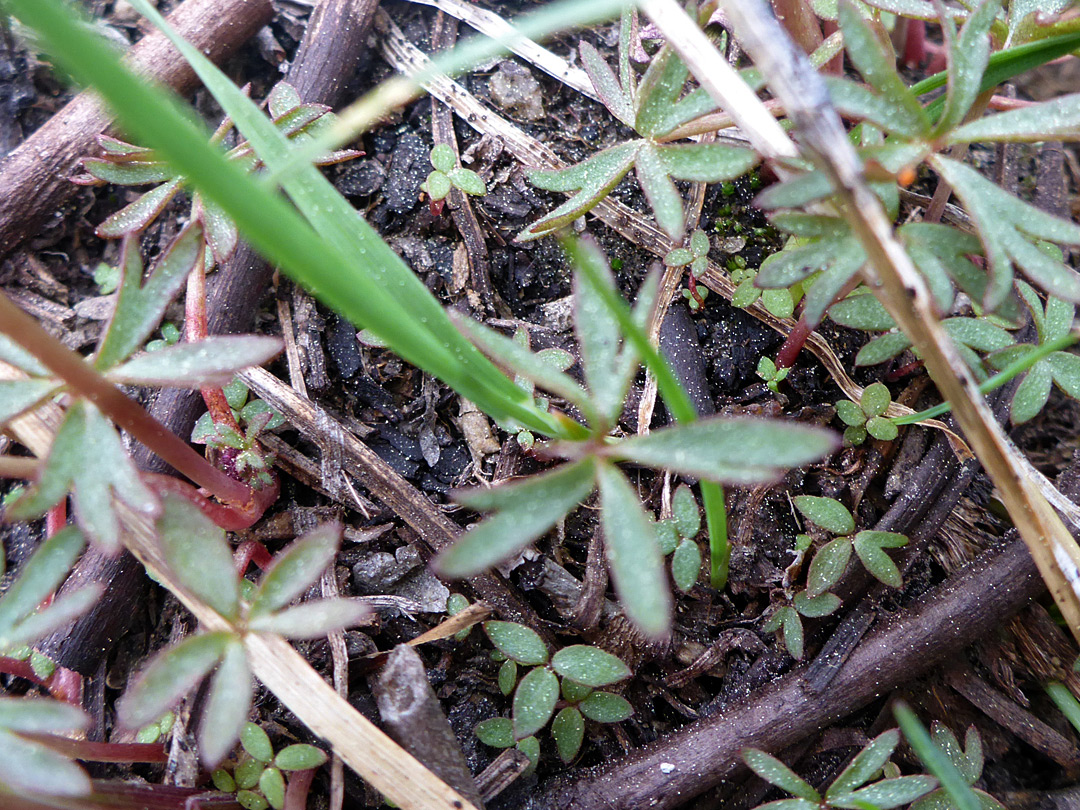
(40, 576)
(518, 642)
(313, 619)
(295, 568)
(593, 179)
(526, 510)
(227, 706)
(568, 730)
(659, 88)
(213, 361)
(862, 311)
(498, 732)
(828, 566)
(866, 764)
(705, 162)
(574, 692)
(780, 303)
(1032, 393)
(667, 536)
(737, 451)
(534, 701)
(443, 157)
(828, 513)
(299, 757)
(1058, 119)
(604, 707)
(680, 257)
(850, 413)
(508, 676)
(272, 785)
(633, 555)
(699, 243)
(793, 633)
(875, 399)
(198, 554)
(598, 337)
(815, 607)
(968, 57)
(887, 794)
(977, 334)
(685, 510)
(247, 772)
(530, 747)
(777, 773)
(468, 181)
(660, 191)
(140, 306)
(686, 565)
(607, 86)
(169, 676)
(250, 800)
(935, 760)
(127, 173)
(35, 770)
(40, 716)
(882, 429)
(882, 348)
(223, 781)
(589, 666)
(1065, 368)
(256, 742)
(138, 215)
(437, 185)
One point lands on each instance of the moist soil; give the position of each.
(414, 423)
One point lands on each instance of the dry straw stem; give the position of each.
(360, 744)
(889, 273)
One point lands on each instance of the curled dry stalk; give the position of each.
(889, 272)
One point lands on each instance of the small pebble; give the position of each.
(666, 767)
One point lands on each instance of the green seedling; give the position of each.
(447, 175)
(864, 783)
(654, 108)
(569, 679)
(240, 448)
(867, 417)
(676, 537)
(258, 777)
(773, 376)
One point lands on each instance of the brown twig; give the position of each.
(35, 175)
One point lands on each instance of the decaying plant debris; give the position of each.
(554, 507)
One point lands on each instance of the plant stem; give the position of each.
(122, 410)
(1065, 701)
(1018, 366)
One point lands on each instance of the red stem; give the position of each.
(64, 684)
(794, 343)
(195, 330)
(296, 792)
(56, 518)
(125, 412)
(251, 551)
(101, 751)
(230, 517)
(915, 43)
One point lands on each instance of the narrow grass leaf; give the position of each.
(517, 642)
(777, 773)
(568, 731)
(633, 554)
(526, 511)
(169, 676)
(589, 666)
(737, 451)
(140, 306)
(33, 769)
(534, 701)
(213, 361)
(198, 555)
(227, 705)
(296, 568)
(314, 619)
(935, 760)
